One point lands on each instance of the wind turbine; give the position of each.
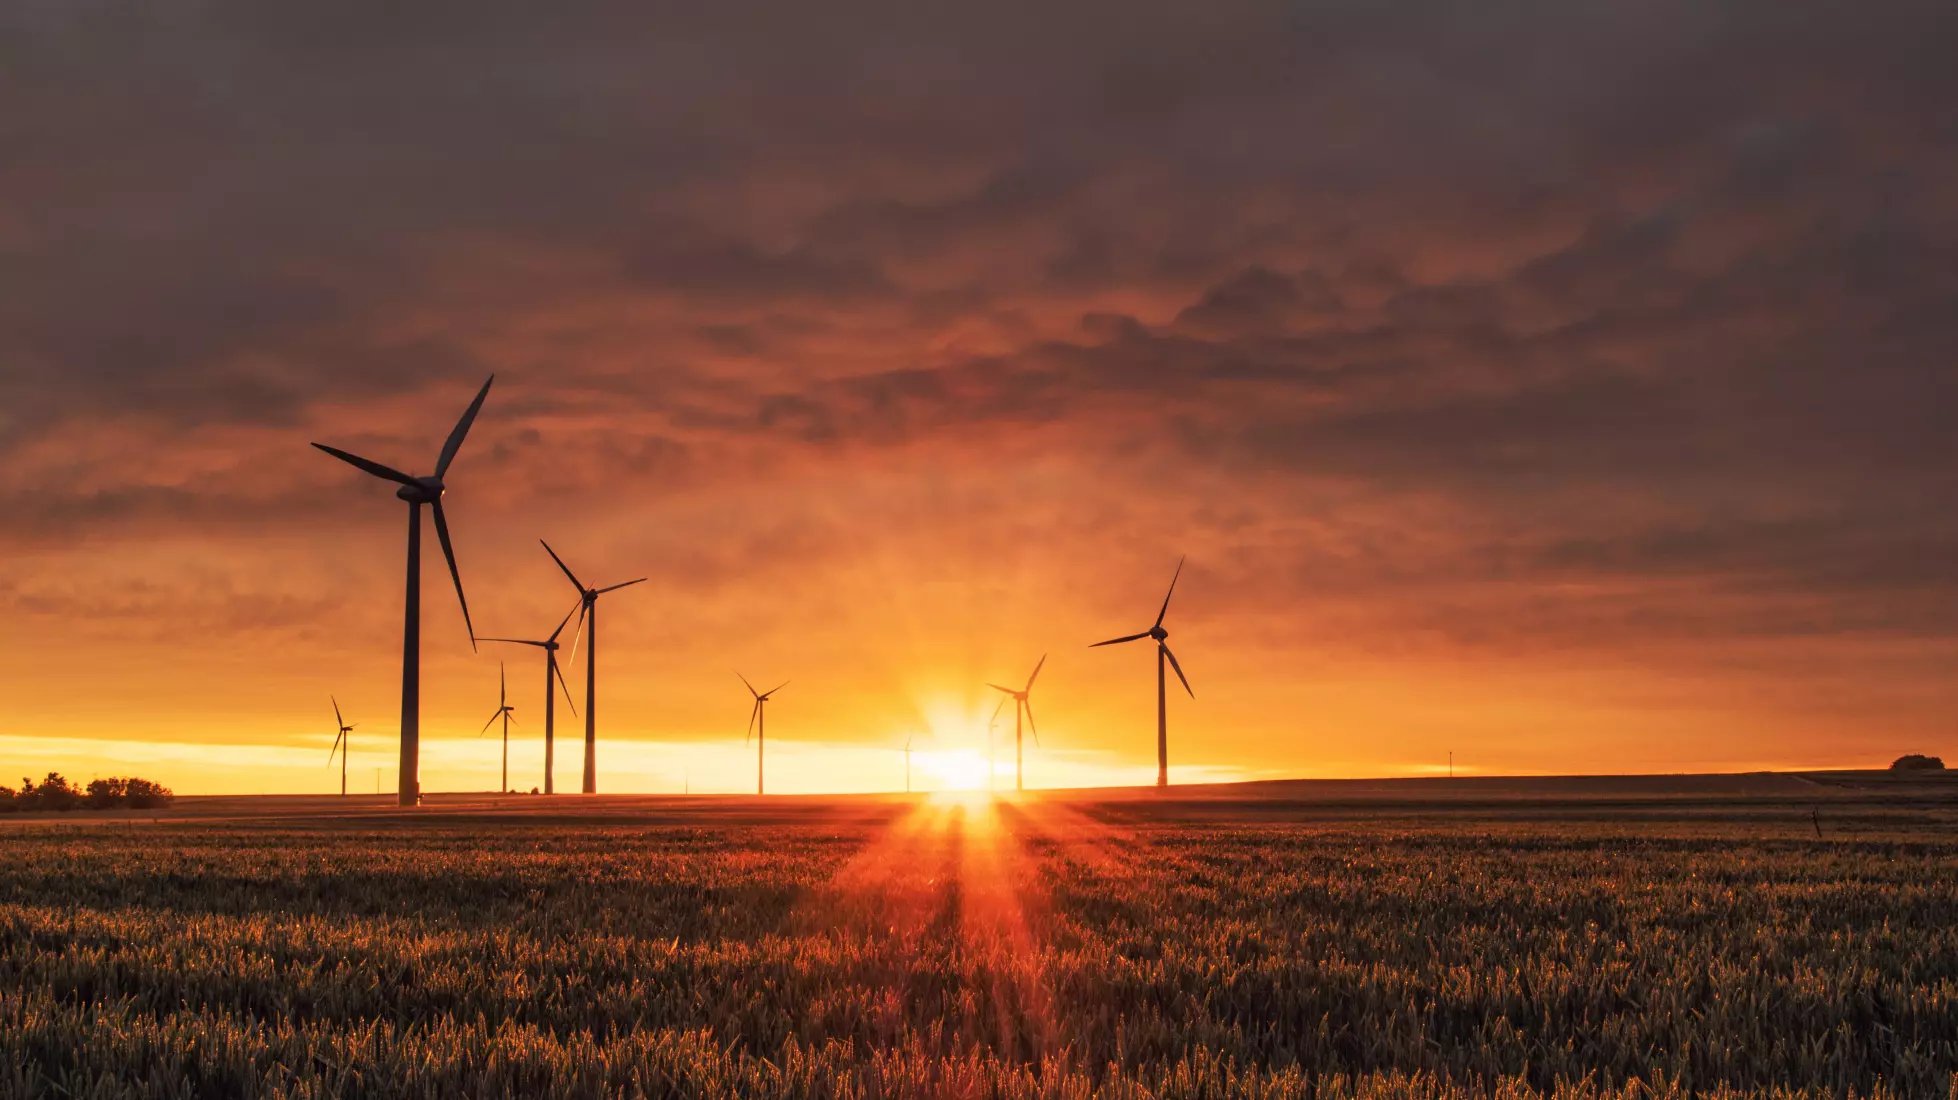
(1162, 695)
(504, 711)
(588, 609)
(758, 724)
(551, 670)
(341, 743)
(1022, 705)
(992, 764)
(418, 491)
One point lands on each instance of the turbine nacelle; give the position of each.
(423, 490)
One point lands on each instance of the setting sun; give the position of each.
(953, 769)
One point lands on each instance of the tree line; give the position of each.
(56, 794)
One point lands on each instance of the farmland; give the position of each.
(1388, 941)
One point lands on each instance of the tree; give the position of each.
(106, 794)
(56, 794)
(1917, 762)
(141, 794)
(53, 793)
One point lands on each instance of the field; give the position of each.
(1711, 936)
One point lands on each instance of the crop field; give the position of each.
(1059, 947)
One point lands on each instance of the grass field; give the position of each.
(1662, 937)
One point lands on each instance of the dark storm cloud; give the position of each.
(1661, 287)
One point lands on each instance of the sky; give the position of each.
(1570, 387)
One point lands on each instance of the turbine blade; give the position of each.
(488, 724)
(387, 473)
(559, 669)
(1179, 672)
(513, 717)
(751, 687)
(512, 641)
(1171, 592)
(336, 747)
(449, 552)
(577, 631)
(1000, 707)
(566, 619)
(752, 714)
(999, 687)
(575, 582)
(1031, 728)
(337, 719)
(1036, 672)
(616, 587)
(502, 685)
(1120, 640)
(775, 689)
(454, 443)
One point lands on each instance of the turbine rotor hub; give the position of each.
(425, 490)
(1158, 633)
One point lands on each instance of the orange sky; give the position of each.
(1506, 397)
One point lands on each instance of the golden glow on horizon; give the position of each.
(953, 770)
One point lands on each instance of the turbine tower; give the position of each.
(504, 711)
(1022, 705)
(418, 491)
(551, 671)
(588, 609)
(341, 743)
(758, 725)
(1162, 694)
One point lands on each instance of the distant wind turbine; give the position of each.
(1022, 705)
(1162, 695)
(551, 671)
(418, 491)
(506, 712)
(588, 610)
(341, 743)
(992, 762)
(758, 725)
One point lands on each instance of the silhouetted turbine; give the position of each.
(588, 610)
(1022, 705)
(340, 745)
(758, 725)
(551, 671)
(418, 491)
(992, 761)
(1162, 695)
(506, 712)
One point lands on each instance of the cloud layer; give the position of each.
(1588, 368)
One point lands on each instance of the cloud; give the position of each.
(1480, 333)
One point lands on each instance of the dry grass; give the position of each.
(1061, 948)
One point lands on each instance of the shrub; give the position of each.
(1917, 762)
(53, 793)
(141, 794)
(106, 794)
(56, 794)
